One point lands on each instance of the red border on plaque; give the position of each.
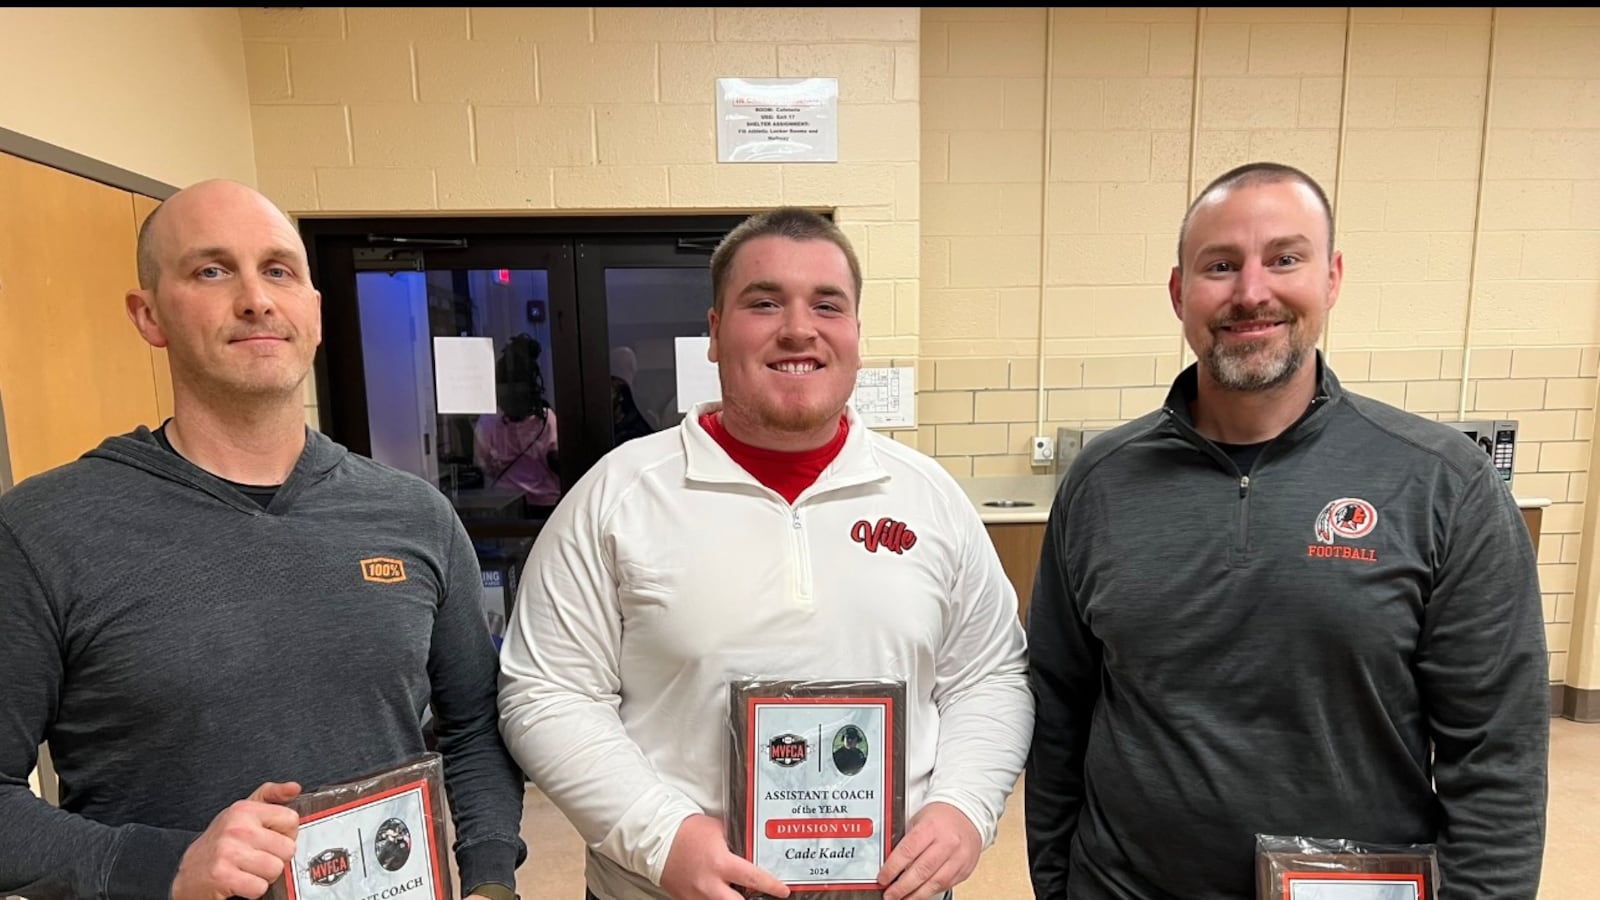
(427, 809)
(1412, 878)
(887, 703)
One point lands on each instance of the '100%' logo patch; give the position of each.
(383, 570)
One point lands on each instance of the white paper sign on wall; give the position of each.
(886, 397)
(777, 120)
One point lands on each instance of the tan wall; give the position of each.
(1076, 198)
(154, 90)
(562, 110)
(583, 109)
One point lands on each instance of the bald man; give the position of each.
(195, 619)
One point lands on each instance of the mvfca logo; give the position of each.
(329, 866)
(888, 534)
(787, 750)
(383, 570)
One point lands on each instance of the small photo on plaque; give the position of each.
(816, 782)
(849, 750)
(377, 835)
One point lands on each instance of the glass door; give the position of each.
(495, 451)
(499, 358)
(651, 298)
(456, 360)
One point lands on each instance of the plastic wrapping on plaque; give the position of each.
(816, 787)
(379, 836)
(1305, 868)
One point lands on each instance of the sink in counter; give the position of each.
(1010, 498)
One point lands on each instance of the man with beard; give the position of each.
(1276, 607)
(743, 543)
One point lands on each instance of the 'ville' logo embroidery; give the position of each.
(888, 534)
(383, 570)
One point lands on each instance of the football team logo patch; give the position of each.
(1347, 517)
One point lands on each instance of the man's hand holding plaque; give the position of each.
(381, 835)
(938, 853)
(243, 850)
(701, 867)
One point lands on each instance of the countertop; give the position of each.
(1038, 491)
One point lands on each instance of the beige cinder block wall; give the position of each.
(1061, 146)
(159, 91)
(559, 110)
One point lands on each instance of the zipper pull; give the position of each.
(1244, 486)
(797, 521)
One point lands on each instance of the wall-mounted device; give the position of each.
(1497, 437)
(1044, 450)
(1069, 441)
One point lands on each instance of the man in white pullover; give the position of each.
(745, 543)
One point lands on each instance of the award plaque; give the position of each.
(816, 782)
(1298, 868)
(377, 837)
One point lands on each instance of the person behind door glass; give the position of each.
(624, 364)
(516, 446)
(627, 422)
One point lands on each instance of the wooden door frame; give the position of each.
(5, 451)
(34, 150)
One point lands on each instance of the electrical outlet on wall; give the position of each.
(1044, 450)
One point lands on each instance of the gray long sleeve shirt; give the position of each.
(1347, 643)
(177, 645)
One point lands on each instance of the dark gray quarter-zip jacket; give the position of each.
(1347, 643)
(178, 645)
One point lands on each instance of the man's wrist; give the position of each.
(493, 890)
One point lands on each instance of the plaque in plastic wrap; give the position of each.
(1305, 868)
(380, 836)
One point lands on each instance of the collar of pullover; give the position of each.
(141, 450)
(1186, 386)
(707, 463)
